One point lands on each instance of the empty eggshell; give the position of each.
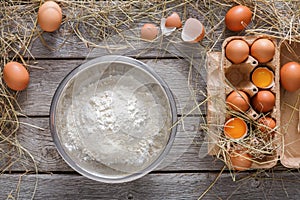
(165, 30)
(49, 16)
(15, 76)
(263, 50)
(290, 76)
(237, 51)
(173, 21)
(238, 17)
(149, 32)
(193, 31)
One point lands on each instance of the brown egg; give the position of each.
(263, 101)
(193, 31)
(238, 17)
(237, 51)
(173, 21)
(266, 124)
(15, 76)
(240, 160)
(238, 100)
(263, 50)
(290, 76)
(149, 32)
(49, 16)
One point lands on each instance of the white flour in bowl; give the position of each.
(116, 121)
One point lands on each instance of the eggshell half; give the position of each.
(165, 30)
(149, 32)
(193, 31)
(173, 21)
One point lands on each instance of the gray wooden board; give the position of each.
(36, 99)
(183, 155)
(153, 186)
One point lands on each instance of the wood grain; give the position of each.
(36, 99)
(183, 155)
(154, 186)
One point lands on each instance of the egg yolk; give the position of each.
(235, 128)
(262, 77)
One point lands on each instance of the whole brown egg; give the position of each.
(290, 76)
(237, 51)
(238, 100)
(49, 16)
(263, 50)
(263, 101)
(15, 76)
(240, 160)
(238, 17)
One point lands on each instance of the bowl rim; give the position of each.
(112, 59)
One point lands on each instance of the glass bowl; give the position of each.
(113, 119)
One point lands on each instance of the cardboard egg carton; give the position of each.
(223, 78)
(238, 76)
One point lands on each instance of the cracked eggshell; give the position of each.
(165, 30)
(193, 31)
(149, 31)
(173, 21)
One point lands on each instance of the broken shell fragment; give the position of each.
(165, 30)
(149, 32)
(173, 21)
(193, 31)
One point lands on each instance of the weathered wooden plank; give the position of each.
(153, 186)
(36, 99)
(183, 155)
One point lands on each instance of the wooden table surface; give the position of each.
(183, 175)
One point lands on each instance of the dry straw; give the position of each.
(92, 22)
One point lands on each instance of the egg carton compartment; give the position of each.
(238, 77)
(290, 105)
